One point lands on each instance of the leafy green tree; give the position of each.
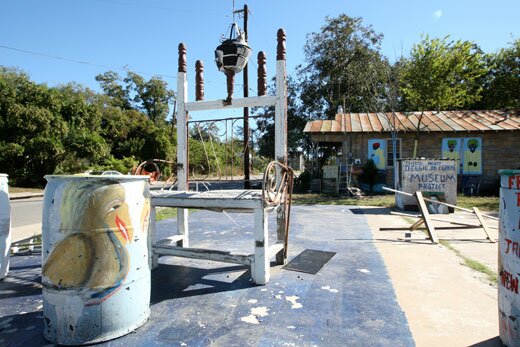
(343, 66)
(442, 74)
(296, 120)
(502, 84)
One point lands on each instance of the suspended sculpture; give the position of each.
(232, 56)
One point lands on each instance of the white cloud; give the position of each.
(437, 14)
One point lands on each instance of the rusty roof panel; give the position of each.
(356, 124)
(316, 126)
(437, 118)
(426, 119)
(347, 119)
(374, 122)
(402, 122)
(447, 118)
(336, 126)
(469, 116)
(365, 123)
(506, 120)
(431, 121)
(326, 126)
(461, 120)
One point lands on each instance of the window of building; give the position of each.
(390, 151)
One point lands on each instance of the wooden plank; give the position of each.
(483, 224)
(336, 126)
(417, 224)
(170, 241)
(254, 101)
(428, 123)
(347, 119)
(260, 271)
(326, 126)
(406, 124)
(425, 215)
(438, 119)
(461, 121)
(280, 232)
(153, 260)
(280, 114)
(205, 254)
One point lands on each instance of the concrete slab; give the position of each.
(199, 303)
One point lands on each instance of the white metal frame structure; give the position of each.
(236, 200)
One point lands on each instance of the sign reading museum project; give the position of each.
(435, 178)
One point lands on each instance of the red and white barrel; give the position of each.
(95, 273)
(509, 258)
(5, 226)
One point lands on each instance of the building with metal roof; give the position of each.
(482, 141)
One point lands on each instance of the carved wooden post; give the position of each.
(230, 81)
(182, 142)
(280, 135)
(199, 81)
(262, 74)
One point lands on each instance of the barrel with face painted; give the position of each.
(5, 226)
(509, 258)
(95, 273)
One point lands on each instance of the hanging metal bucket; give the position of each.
(509, 258)
(95, 273)
(5, 226)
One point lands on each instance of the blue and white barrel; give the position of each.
(509, 258)
(5, 226)
(95, 273)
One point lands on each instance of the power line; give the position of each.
(80, 61)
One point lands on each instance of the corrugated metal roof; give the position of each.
(408, 121)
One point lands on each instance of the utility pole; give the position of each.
(247, 182)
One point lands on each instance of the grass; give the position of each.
(483, 203)
(321, 199)
(24, 190)
(165, 213)
(491, 275)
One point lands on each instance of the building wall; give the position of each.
(500, 149)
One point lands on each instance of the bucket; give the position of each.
(95, 273)
(5, 226)
(509, 258)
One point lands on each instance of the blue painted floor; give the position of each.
(350, 302)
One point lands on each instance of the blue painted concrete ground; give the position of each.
(350, 302)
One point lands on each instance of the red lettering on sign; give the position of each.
(508, 281)
(514, 180)
(508, 243)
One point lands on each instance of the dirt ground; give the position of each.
(446, 303)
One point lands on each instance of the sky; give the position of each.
(62, 41)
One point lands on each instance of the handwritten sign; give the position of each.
(434, 176)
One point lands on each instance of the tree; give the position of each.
(296, 121)
(442, 74)
(344, 66)
(151, 97)
(502, 85)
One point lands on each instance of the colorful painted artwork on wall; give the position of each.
(377, 152)
(472, 156)
(451, 149)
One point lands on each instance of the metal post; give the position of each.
(247, 183)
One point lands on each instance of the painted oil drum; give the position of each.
(509, 258)
(5, 226)
(95, 272)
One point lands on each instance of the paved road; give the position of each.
(26, 212)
